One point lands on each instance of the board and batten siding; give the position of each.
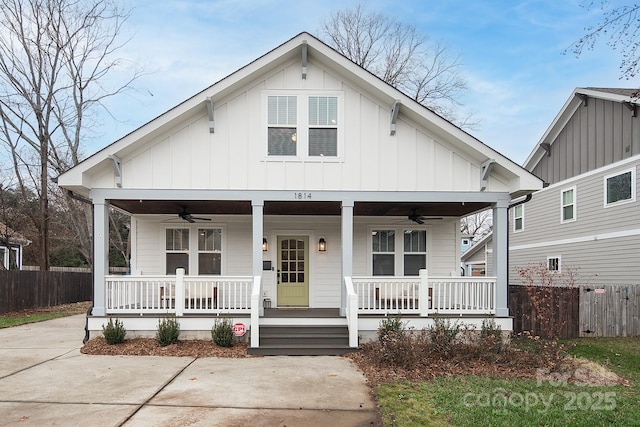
(602, 243)
(234, 156)
(598, 134)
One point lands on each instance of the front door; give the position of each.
(293, 271)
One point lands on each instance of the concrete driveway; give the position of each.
(45, 380)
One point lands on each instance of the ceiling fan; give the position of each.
(186, 216)
(419, 219)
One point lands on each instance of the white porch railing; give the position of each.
(351, 312)
(178, 294)
(425, 295)
(255, 313)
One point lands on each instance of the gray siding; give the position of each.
(602, 243)
(599, 134)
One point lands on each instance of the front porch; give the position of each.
(139, 301)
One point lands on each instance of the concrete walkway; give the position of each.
(45, 380)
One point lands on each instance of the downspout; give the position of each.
(82, 199)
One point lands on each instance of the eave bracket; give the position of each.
(117, 169)
(304, 59)
(485, 171)
(584, 98)
(632, 107)
(394, 117)
(210, 110)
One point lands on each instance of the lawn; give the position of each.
(22, 317)
(549, 400)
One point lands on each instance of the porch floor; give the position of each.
(302, 312)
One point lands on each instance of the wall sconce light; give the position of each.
(322, 245)
(265, 245)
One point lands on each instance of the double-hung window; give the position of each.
(282, 112)
(209, 251)
(415, 251)
(620, 188)
(518, 218)
(553, 263)
(568, 202)
(177, 250)
(323, 126)
(383, 249)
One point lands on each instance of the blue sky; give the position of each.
(511, 55)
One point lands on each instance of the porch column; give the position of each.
(100, 255)
(258, 231)
(347, 251)
(500, 253)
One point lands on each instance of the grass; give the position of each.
(23, 317)
(474, 400)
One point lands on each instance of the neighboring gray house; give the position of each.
(588, 217)
(299, 191)
(478, 259)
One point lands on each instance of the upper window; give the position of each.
(177, 250)
(553, 263)
(620, 188)
(302, 125)
(518, 218)
(568, 202)
(323, 126)
(282, 123)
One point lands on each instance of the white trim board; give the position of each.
(581, 239)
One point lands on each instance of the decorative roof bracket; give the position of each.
(584, 98)
(210, 110)
(632, 107)
(485, 170)
(117, 169)
(394, 116)
(304, 59)
(546, 147)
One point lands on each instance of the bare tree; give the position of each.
(620, 26)
(55, 57)
(477, 225)
(401, 56)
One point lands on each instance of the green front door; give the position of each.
(293, 271)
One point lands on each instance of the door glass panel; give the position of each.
(301, 277)
(301, 255)
(292, 244)
(292, 255)
(285, 277)
(285, 244)
(285, 266)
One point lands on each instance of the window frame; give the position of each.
(574, 203)
(193, 252)
(206, 251)
(399, 252)
(181, 250)
(632, 199)
(303, 125)
(405, 252)
(515, 218)
(559, 264)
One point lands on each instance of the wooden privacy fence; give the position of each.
(583, 311)
(548, 312)
(20, 290)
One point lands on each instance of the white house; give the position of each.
(588, 216)
(304, 184)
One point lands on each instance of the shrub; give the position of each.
(491, 336)
(222, 333)
(389, 326)
(443, 335)
(168, 331)
(114, 333)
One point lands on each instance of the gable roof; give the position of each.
(476, 246)
(323, 54)
(578, 96)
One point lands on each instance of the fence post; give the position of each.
(179, 292)
(423, 293)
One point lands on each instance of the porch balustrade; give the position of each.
(424, 295)
(178, 294)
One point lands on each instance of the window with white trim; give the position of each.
(282, 118)
(568, 205)
(553, 264)
(383, 252)
(323, 126)
(518, 218)
(415, 251)
(209, 251)
(620, 188)
(177, 250)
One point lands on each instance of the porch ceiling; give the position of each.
(243, 207)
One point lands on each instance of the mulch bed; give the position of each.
(150, 347)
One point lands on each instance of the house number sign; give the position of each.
(302, 196)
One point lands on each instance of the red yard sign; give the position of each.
(239, 329)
